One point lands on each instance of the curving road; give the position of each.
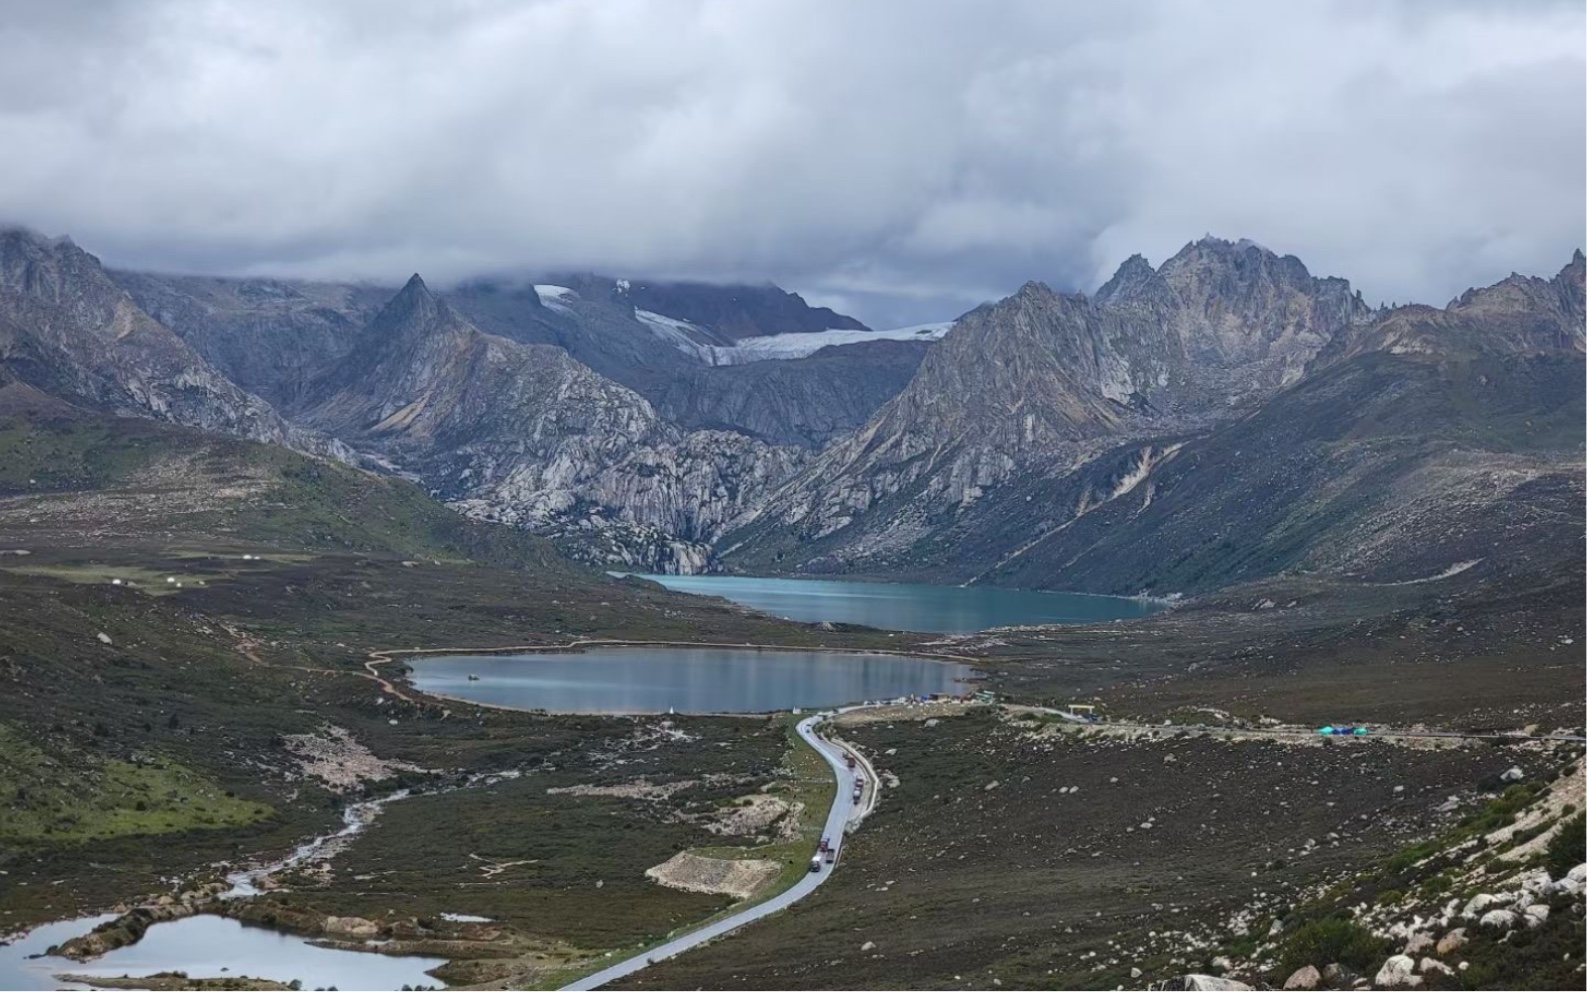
(837, 819)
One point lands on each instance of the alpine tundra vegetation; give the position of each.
(1043, 596)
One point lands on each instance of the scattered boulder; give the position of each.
(351, 927)
(1399, 970)
(1535, 915)
(1501, 920)
(1135, 972)
(1512, 774)
(1575, 881)
(868, 946)
(1420, 942)
(1452, 942)
(104, 638)
(1338, 975)
(1197, 981)
(1430, 966)
(1537, 883)
(1479, 904)
(1304, 978)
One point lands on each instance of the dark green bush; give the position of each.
(1568, 848)
(1333, 939)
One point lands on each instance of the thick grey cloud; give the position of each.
(904, 160)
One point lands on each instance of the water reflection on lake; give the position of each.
(909, 606)
(624, 680)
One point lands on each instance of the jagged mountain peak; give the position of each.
(414, 308)
(1135, 282)
(1033, 289)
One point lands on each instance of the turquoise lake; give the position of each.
(909, 606)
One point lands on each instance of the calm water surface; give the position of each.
(690, 680)
(204, 946)
(909, 606)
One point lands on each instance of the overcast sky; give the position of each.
(901, 160)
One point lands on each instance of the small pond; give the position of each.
(910, 606)
(210, 946)
(639, 680)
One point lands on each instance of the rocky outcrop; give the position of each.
(1516, 317)
(269, 336)
(129, 928)
(806, 402)
(69, 331)
(526, 435)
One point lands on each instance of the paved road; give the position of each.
(837, 818)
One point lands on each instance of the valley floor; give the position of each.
(184, 632)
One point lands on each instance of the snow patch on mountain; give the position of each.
(800, 345)
(695, 340)
(555, 297)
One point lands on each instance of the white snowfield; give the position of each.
(797, 345)
(705, 345)
(801, 344)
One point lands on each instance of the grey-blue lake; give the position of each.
(211, 947)
(909, 606)
(640, 680)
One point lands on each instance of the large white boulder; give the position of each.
(1304, 978)
(1575, 881)
(1501, 920)
(1399, 970)
(1481, 903)
(1535, 915)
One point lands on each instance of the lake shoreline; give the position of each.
(907, 607)
(690, 679)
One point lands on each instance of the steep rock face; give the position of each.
(598, 331)
(67, 330)
(795, 402)
(733, 311)
(1249, 320)
(527, 435)
(268, 336)
(424, 385)
(805, 402)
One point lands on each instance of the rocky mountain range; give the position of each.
(1238, 418)
(1223, 416)
(70, 331)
